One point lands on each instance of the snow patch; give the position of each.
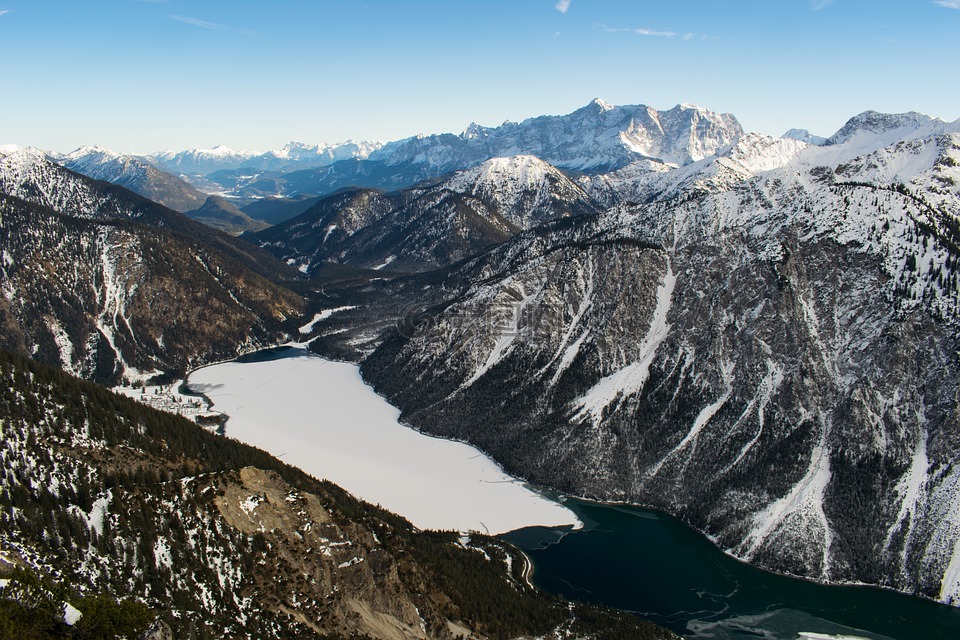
(99, 511)
(249, 505)
(320, 317)
(71, 615)
(161, 554)
(631, 378)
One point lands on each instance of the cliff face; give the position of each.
(776, 361)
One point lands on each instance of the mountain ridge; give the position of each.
(676, 353)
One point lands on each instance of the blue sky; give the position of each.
(144, 75)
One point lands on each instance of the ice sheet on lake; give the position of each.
(320, 416)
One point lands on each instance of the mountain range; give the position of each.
(758, 335)
(112, 287)
(738, 349)
(596, 138)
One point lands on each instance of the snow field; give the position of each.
(320, 416)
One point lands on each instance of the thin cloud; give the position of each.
(562, 5)
(652, 33)
(4, 12)
(949, 4)
(211, 26)
(820, 4)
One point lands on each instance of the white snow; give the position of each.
(250, 504)
(945, 542)
(804, 503)
(323, 315)
(161, 553)
(911, 489)
(507, 336)
(98, 512)
(71, 615)
(320, 416)
(631, 378)
(385, 263)
(64, 344)
(950, 585)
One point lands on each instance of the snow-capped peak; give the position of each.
(892, 126)
(803, 135)
(602, 104)
(223, 151)
(523, 170)
(8, 149)
(15, 156)
(92, 150)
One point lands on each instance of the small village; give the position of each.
(168, 398)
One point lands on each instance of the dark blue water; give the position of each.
(655, 566)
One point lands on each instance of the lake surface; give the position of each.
(320, 416)
(652, 564)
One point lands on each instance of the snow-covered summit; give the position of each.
(804, 135)
(520, 188)
(91, 150)
(292, 155)
(594, 138)
(647, 180)
(16, 163)
(7, 149)
(521, 170)
(887, 128)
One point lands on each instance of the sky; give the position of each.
(145, 75)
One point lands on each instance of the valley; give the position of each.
(756, 335)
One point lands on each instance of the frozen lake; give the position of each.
(320, 416)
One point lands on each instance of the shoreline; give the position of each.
(544, 492)
(298, 397)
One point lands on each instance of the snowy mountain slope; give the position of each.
(746, 358)
(646, 181)
(136, 174)
(113, 300)
(428, 226)
(293, 155)
(525, 190)
(109, 285)
(886, 128)
(803, 135)
(30, 175)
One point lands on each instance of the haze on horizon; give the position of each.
(145, 75)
